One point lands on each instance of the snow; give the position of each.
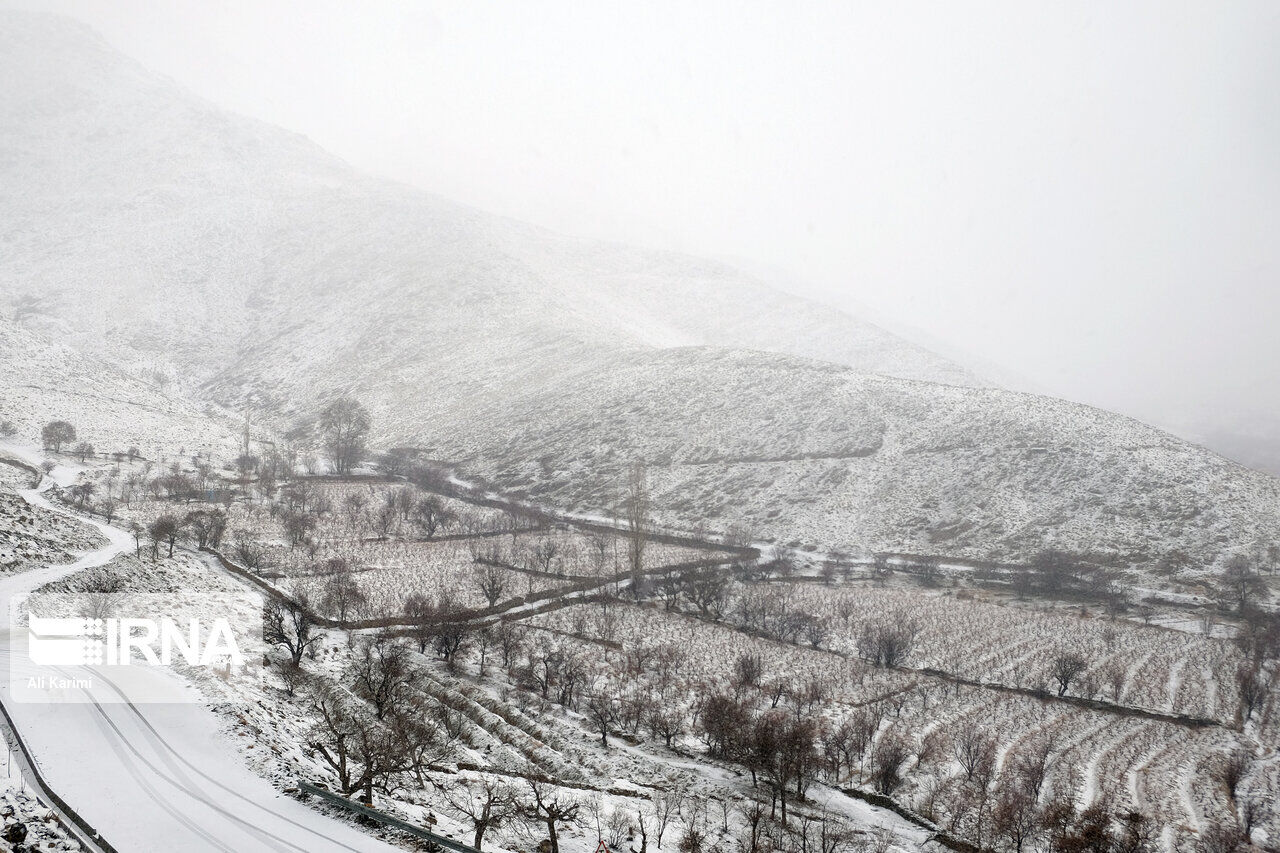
(155, 776)
(545, 364)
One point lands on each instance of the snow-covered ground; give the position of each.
(154, 776)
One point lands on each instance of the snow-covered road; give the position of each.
(153, 776)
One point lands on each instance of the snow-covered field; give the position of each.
(1162, 769)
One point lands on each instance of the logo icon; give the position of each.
(65, 642)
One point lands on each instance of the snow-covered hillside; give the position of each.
(43, 380)
(806, 452)
(162, 234)
(29, 535)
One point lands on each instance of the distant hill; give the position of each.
(267, 276)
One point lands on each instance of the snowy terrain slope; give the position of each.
(174, 784)
(815, 453)
(170, 236)
(42, 380)
(31, 535)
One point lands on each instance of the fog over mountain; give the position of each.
(173, 238)
(424, 505)
(1083, 196)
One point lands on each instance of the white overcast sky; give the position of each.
(1083, 193)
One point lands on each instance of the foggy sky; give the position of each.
(1085, 195)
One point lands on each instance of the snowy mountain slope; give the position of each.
(881, 464)
(139, 205)
(170, 235)
(42, 380)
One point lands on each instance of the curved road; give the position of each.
(154, 776)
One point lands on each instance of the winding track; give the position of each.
(154, 777)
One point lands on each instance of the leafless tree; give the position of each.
(550, 808)
(342, 597)
(430, 515)
(361, 751)
(450, 638)
(709, 592)
(421, 613)
(492, 582)
(206, 525)
(888, 642)
(164, 529)
(510, 639)
(386, 519)
(1054, 570)
(665, 806)
(57, 433)
(1016, 818)
(602, 711)
(486, 803)
(298, 527)
(289, 624)
(1240, 585)
(890, 754)
(747, 670)
(343, 425)
(1064, 669)
(636, 505)
(381, 672)
(249, 553)
(974, 749)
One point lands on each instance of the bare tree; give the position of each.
(1240, 585)
(289, 623)
(1016, 818)
(636, 511)
(487, 804)
(450, 637)
(665, 805)
(887, 643)
(421, 614)
(248, 552)
(544, 554)
(602, 710)
(430, 514)
(361, 751)
(550, 808)
(343, 425)
(342, 597)
(510, 639)
(492, 582)
(206, 526)
(298, 527)
(386, 519)
(1054, 570)
(57, 433)
(381, 672)
(164, 529)
(1064, 669)
(890, 754)
(974, 749)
